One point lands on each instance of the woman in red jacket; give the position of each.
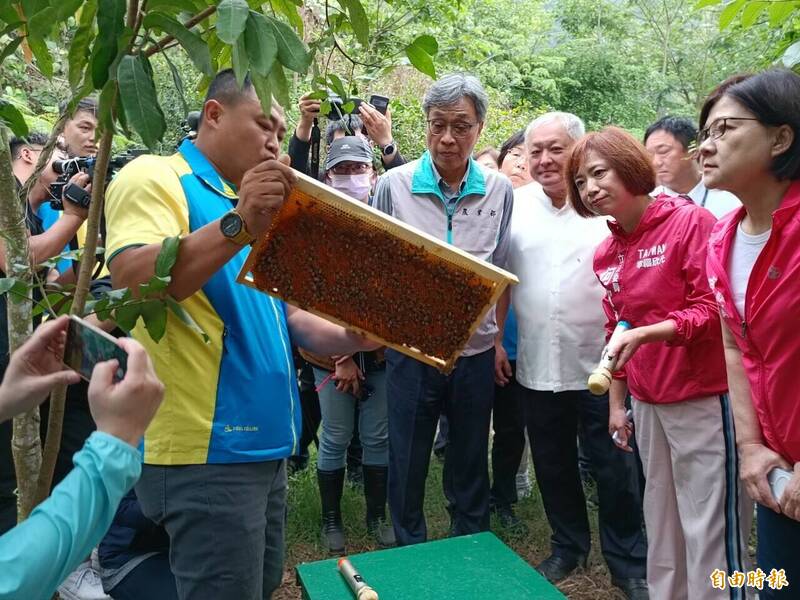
(750, 145)
(653, 269)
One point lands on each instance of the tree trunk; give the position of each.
(55, 420)
(25, 444)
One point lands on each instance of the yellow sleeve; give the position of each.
(145, 203)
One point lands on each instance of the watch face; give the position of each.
(388, 149)
(231, 225)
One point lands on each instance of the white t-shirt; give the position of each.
(717, 202)
(744, 254)
(558, 302)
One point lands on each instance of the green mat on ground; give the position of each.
(470, 567)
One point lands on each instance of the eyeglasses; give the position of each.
(718, 128)
(351, 168)
(459, 129)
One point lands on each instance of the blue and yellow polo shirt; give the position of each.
(234, 399)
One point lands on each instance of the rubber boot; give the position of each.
(375, 494)
(330, 493)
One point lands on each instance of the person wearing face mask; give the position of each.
(352, 387)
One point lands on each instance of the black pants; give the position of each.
(553, 420)
(778, 544)
(508, 444)
(417, 394)
(78, 425)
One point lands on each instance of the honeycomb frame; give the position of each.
(332, 218)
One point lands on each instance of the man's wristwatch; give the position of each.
(232, 226)
(389, 148)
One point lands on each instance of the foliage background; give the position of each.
(625, 62)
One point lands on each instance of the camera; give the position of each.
(337, 112)
(62, 190)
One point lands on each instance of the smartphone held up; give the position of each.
(88, 345)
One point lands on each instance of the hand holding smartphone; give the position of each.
(88, 345)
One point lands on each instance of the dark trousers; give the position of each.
(151, 579)
(78, 426)
(226, 526)
(417, 394)
(553, 420)
(508, 444)
(778, 548)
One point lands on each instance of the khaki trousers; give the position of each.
(697, 515)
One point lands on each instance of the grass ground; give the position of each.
(303, 534)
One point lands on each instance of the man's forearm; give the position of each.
(202, 253)
(617, 394)
(52, 242)
(319, 336)
(501, 313)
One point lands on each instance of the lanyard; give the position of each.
(703, 201)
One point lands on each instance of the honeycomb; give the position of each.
(362, 270)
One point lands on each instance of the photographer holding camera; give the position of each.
(365, 120)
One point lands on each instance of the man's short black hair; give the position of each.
(226, 90)
(350, 124)
(681, 128)
(88, 104)
(35, 138)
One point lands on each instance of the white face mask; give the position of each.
(355, 186)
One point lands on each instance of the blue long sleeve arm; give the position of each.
(39, 553)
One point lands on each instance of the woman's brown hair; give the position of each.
(623, 153)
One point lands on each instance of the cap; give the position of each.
(350, 148)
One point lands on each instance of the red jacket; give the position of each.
(655, 273)
(769, 333)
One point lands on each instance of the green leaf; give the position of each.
(42, 22)
(264, 92)
(42, 55)
(176, 79)
(194, 45)
(10, 27)
(105, 116)
(127, 314)
(138, 95)
(10, 48)
(729, 13)
(325, 107)
(13, 119)
(102, 309)
(428, 43)
(291, 51)
(67, 9)
(262, 48)
(791, 56)
(348, 107)
(279, 85)
(185, 317)
(318, 95)
(110, 24)
(337, 86)
(421, 60)
(704, 3)
(77, 55)
(358, 20)
(44, 304)
(780, 11)
(167, 256)
(154, 314)
(171, 6)
(751, 13)
(288, 8)
(6, 283)
(239, 61)
(88, 12)
(231, 19)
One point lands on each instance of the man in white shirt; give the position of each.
(677, 170)
(561, 335)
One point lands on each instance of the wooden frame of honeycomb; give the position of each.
(371, 273)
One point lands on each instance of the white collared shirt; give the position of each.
(718, 202)
(558, 299)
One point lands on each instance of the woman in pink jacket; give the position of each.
(750, 145)
(653, 269)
